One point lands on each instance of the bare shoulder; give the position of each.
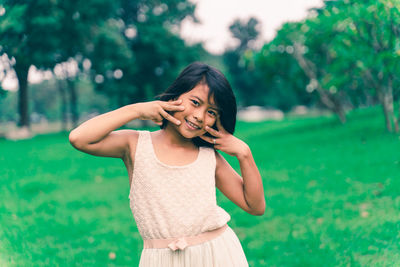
(133, 137)
(222, 167)
(220, 160)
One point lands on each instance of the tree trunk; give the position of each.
(391, 102)
(386, 112)
(63, 98)
(398, 110)
(73, 102)
(386, 99)
(338, 108)
(331, 101)
(23, 107)
(369, 100)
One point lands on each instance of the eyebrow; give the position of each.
(201, 100)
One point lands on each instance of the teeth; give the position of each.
(191, 124)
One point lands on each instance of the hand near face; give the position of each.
(224, 141)
(157, 111)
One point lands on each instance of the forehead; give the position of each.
(201, 91)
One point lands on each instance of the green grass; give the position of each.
(332, 191)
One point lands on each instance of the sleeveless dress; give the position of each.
(180, 201)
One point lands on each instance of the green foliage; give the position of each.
(133, 47)
(46, 104)
(244, 79)
(348, 51)
(245, 32)
(28, 30)
(8, 105)
(143, 44)
(281, 75)
(3, 93)
(332, 198)
(43, 33)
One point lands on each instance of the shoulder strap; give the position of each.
(143, 147)
(209, 156)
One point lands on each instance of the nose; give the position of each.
(199, 115)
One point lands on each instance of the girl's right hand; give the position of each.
(157, 111)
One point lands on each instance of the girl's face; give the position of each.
(199, 112)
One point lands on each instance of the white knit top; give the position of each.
(174, 201)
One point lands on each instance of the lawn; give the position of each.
(332, 192)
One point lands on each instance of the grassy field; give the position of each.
(332, 191)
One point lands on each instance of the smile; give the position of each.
(192, 125)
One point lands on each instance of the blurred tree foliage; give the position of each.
(245, 79)
(44, 108)
(44, 33)
(139, 54)
(130, 49)
(281, 75)
(346, 52)
(343, 55)
(372, 32)
(27, 30)
(78, 27)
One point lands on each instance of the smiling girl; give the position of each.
(173, 172)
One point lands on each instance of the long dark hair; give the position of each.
(219, 88)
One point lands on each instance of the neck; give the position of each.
(171, 136)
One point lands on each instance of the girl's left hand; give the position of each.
(224, 141)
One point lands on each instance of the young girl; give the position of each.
(173, 172)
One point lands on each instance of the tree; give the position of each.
(363, 44)
(46, 33)
(285, 81)
(372, 33)
(27, 31)
(245, 79)
(80, 21)
(140, 54)
(314, 51)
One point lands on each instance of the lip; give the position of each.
(188, 124)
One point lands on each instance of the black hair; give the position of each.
(219, 88)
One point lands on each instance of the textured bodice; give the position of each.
(174, 201)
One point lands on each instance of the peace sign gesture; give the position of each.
(224, 141)
(157, 111)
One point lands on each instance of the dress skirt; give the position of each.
(222, 251)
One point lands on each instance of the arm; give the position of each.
(97, 136)
(246, 191)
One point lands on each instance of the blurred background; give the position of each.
(317, 84)
(63, 62)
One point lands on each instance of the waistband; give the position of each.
(182, 242)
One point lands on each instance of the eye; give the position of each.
(195, 102)
(212, 113)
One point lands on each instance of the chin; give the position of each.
(189, 134)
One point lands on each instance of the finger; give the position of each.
(208, 139)
(169, 117)
(213, 132)
(174, 102)
(158, 120)
(169, 107)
